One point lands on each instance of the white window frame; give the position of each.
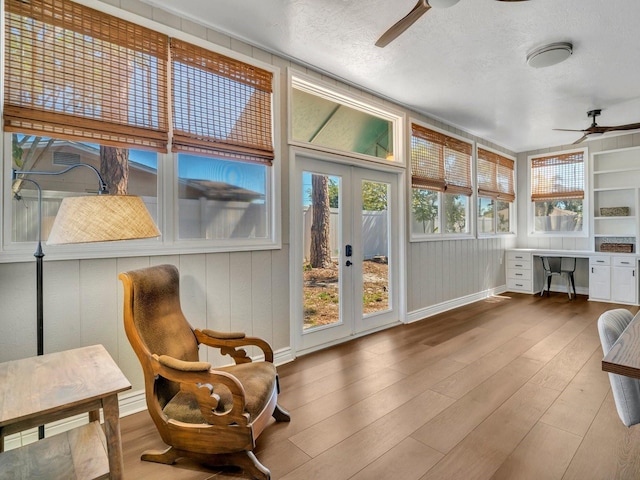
(313, 86)
(585, 202)
(169, 242)
(472, 202)
(513, 220)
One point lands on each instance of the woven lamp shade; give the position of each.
(102, 218)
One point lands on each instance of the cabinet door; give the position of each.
(623, 283)
(600, 282)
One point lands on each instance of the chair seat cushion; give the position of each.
(257, 378)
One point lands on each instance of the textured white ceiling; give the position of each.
(464, 65)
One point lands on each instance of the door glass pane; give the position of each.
(321, 273)
(375, 247)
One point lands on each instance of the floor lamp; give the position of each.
(85, 219)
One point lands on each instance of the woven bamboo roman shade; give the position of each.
(221, 106)
(557, 177)
(440, 162)
(76, 73)
(495, 176)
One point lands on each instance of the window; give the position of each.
(496, 192)
(222, 133)
(84, 86)
(557, 193)
(441, 183)
(340, 122)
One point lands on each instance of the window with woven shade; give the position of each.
(557, 177)
(557, 193)
(441, 181)
(496, 192)
(495, 175)
(221, 106)
(440, 162)
(76, 73)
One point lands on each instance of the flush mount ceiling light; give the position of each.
(548, 55)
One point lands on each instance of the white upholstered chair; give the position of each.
(626, 390)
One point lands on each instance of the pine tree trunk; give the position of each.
(320, 254)
(114, 168)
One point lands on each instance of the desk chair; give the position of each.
(561, 267)
(626, 390)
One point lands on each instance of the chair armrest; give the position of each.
(200, 379)
(229, 343)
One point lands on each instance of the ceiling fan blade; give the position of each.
(629, 126)
(567, 130)
(399, 27)
(580, 139)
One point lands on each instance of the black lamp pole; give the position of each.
(39, 254)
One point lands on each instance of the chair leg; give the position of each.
(549, 286)
(281, 415)
(573, 283)
(167, 456)
(247, 461)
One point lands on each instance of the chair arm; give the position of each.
(200, 379)
(228, 343)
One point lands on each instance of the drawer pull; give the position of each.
(519, 257)
(625, 263)
(518, 265)
(519, 274)
(519, 285)
(599, 261)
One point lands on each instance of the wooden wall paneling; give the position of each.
(98, 299)
(436, 275)
(262, 295)
(61, 296)
(18, 319)
(240, 293)
(423, 267)
(126, 359)
(409, 268)
(193, 298)
(218, 287)
(281, 336)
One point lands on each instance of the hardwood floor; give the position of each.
(506, 388)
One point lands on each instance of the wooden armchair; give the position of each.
(212, 415)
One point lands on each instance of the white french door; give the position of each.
(345, 244)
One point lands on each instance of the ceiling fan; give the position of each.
(422, 7)
(595, 129)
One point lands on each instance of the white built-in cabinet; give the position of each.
(600, 278)
(615, 183)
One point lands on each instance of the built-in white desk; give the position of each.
(612, 276)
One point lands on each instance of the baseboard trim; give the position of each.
(423, 313)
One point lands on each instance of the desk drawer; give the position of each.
(519, 274)
(600, 260)
(624, 261)
(517, 285)
(518, 265)
(519, 256)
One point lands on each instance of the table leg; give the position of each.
(112, 434)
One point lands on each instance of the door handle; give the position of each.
(348, 264)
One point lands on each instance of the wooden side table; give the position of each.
(39, 390)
